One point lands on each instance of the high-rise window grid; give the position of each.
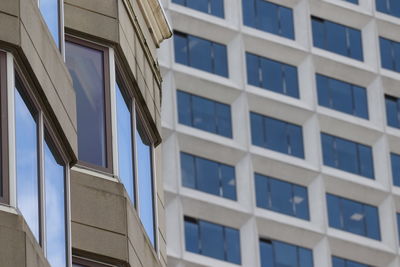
(208, 176)
(277, 135)
(212, 240)
(201, 53)
(269, 17)
(337, 38)
(280, 196)
(390, 54)
(353, 216)
(342, 96)
(204, 114)
(272, 75)
(212, 7)
(347, 155)
(274, 253)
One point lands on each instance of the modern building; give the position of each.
(281, 133)
(80, 97)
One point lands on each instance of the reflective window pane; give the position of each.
(340, 262)
(192, 236)
(200, 53)
(26, 152)
(125, 146)
(181, 48)
(55, 198)
(281, 196)
(395, 163)
(50, 12)
(392, 111)
(145, 179)
(212, 7)
(390, 7)
(390, 54)
(232, 241)
(86, 66)
(207, 176)
(188, 170)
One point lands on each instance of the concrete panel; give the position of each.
(12, 245)
(10, 7)
(9, 29)
(104, 7)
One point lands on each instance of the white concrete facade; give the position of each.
(243, 214)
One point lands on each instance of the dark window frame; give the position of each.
(46, 131)
(4, 146)
(88, 263)
(107, 104)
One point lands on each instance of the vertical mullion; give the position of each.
(61, 29)
(67, 204)
(42, 197)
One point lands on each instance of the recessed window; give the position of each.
(390, 7)
(51, 12)
(272, 75)
(390, 54)
(392, 111)
(353, 216)
(87, 64)
(39, 162)
(212, 7)
(268, 17)
(212, 240)
(340, 262)
(275, 253)
(4, 176)
(201, 54)
(395, 163)
(337, 38)
(342, 96)
(281, 196)
(347, 155)
(277, 135)
(208, 176)
(204, 114)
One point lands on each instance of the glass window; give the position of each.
(201, 54)
(212, 7)
(395, 162)
(277, 135)
(340, 262)
(56, 232)
(392, 111)
(352, 1)
(352, 216)
(212, 240)
(208, 176)
(204, 114)
(390, 7)
(145, 179)
(342, 96)
(125, 144)
(268, 17)
(272, 75)
(26, 152)
(87, 67)
(282, 197)
(337, 38)
(347, 155)
(50, 10)
(275, 253)
(4, 191)
(390, 54)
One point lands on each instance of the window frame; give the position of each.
(107, 104)
(4, 146)
(88, 262)
(45, 131)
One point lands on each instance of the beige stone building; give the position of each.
(80, 181)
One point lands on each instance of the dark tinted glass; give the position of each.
(391, 7)
(212, 7)
(212, 240)
(201, 54)
(277, 135)
(86, 66)
(145, 179)
(353, 216)
(337, 38)
(208, 176)
(50, 13)
(204, 114)
(390, 54)
(342, 96)
(55, 199)
(282, 197)
(125, 146)
(280, 254)
(395, 162)
(352, 1)
(268, 17)
(272, 75)
(26, 154)
(392, 111)
(347, 155)
(340, 262)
